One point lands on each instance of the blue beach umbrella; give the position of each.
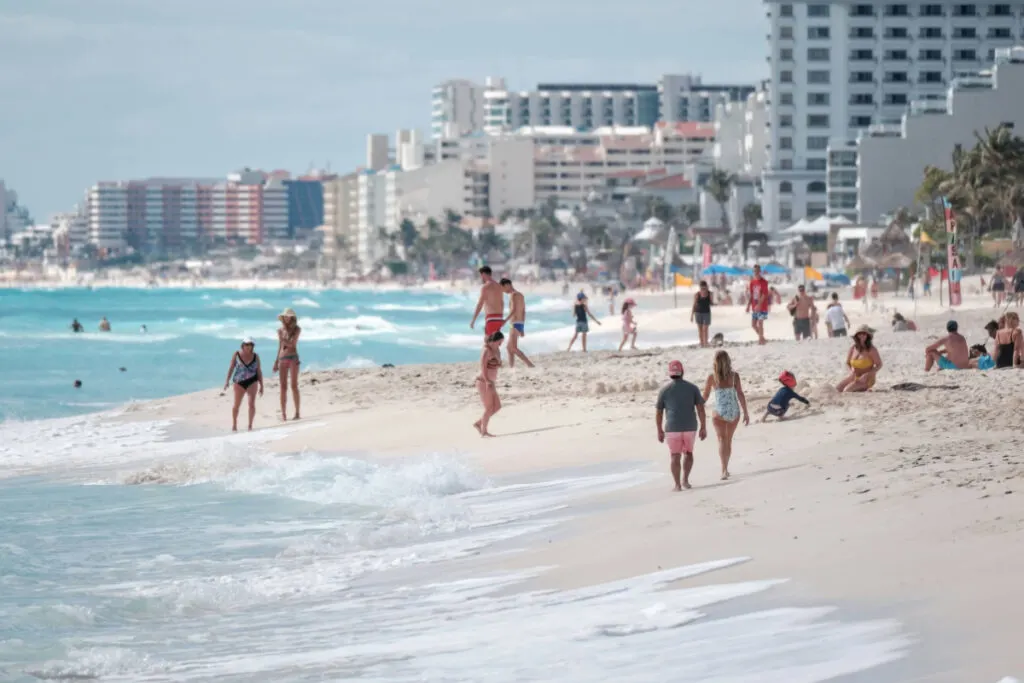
(773, 269)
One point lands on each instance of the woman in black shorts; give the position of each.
(701, 313)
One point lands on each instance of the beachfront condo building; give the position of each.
(457, 108)
(461, 107)
(839, 68)
(159, 214)
(888, 160)
(13, 217)
(741, 135)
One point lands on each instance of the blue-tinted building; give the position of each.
(305, 204)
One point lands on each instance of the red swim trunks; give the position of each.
(493, 324)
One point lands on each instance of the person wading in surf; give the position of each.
(491, 301)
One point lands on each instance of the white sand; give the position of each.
(897, 502)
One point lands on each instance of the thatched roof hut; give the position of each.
(894, 241)
(859, 262)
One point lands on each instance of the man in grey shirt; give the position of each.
(678, 430)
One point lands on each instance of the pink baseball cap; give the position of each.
(675, 369)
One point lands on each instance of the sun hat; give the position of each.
(788, 379)
(248, 340)
(865, 329)
(675, 368)
(288, 313)
(630, 302)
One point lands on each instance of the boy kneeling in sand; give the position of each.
(779, 405)
(678, 430)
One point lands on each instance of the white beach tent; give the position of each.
(819, 226)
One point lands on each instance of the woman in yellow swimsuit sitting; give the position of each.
(863, 360)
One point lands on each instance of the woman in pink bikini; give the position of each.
(490, 362)
(287, 361)
(628, 324)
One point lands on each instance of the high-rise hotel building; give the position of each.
(843, 67)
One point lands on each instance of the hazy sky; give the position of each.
(116, 89)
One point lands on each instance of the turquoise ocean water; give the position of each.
(136, 552)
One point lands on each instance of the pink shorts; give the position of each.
(680, 442)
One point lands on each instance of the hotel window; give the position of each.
(817, 142)
(897, 33)
(965, 11)
(896, 77)
(965, 32)
(965, 55)
(818, 33)
(818, 54)
(862, 11)
(818, 10)
(785, 77)
(1000, 33)
(786, 164)
(785, 10)
(785, 187)
(785, 121)
(785, 55)
(897, 56)
(786, 32)
(860, 121)
(931, 11)
(786, 99)
(818, 99)
(785, 143)
(897, 11)
(930, 77)
(862, 56)
(817, 121)
(862, 32)
(816, 164)
(1000, 11)
(819, 77)
(785, 210)
(930, 55)
(862, 77)
(930, 32)
(897, 99)
(864, 98)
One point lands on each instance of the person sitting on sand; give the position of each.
(104, 325)
(287, 361)
(517, 316)
(950, 352)
(901, 324)
(779, 404)
(729, 401)
(582, 312)
(679, 407)
(991, 327)
(980, 358)
(247, 375)
(490, 362)
(1009, 343)
(628, 324)
(863, 360)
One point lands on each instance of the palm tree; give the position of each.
(751, 216)
(689, 214)
(719, 186)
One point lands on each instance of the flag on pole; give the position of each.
(952, 254)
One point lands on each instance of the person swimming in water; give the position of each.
(287, 361)
(863, 360)
(77, 326)
(104, 325)
(490, 363)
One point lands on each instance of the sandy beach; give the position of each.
(902, 503)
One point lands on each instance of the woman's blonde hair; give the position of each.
(723, 367)
(1012, 317)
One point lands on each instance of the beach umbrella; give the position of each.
(812, 274)
(774, 269)
(717, 269)
(836, 278)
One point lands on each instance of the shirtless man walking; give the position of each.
(517, 316)
(491, 301)
(803, 309)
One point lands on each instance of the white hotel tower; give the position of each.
(841, 67)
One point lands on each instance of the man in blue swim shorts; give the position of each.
(517, 316)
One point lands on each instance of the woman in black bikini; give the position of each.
(1009, 343)
(247, 375)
